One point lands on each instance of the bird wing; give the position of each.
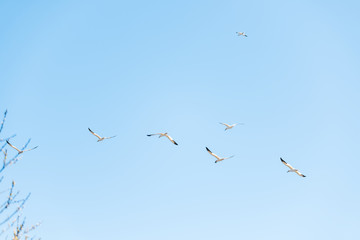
(13, 146)
(170, 138)
(300, 174)
(229, 157)
(149, 135)
(94, 134)
(109, 137)
(225, 124)
(30, 149)
(286, 164)
(217, 157)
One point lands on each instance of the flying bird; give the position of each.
(219, 159)
(163, 135)
(292, 169)
(100, 138)
(19, 151)
(230, 126)
(241, 34)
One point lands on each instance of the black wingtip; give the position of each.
(149, 135)
(282, 160)
(303, 176)
(207, 149)
(175, 143)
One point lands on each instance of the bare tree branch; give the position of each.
(3, 121)
(12, 206)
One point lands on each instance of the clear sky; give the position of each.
(130, 68)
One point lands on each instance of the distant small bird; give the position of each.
(163, 135)
(292, 169)
(219, 159)
(100, 138)
(230, 126)
(19, 151)
(241, 34)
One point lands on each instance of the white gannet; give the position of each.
(292, 169)
(19, 151)
(241, 34)
(216, 156)
(163, 135)
(230, 126)
(100, 138)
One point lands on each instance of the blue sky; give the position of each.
(139, 67)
